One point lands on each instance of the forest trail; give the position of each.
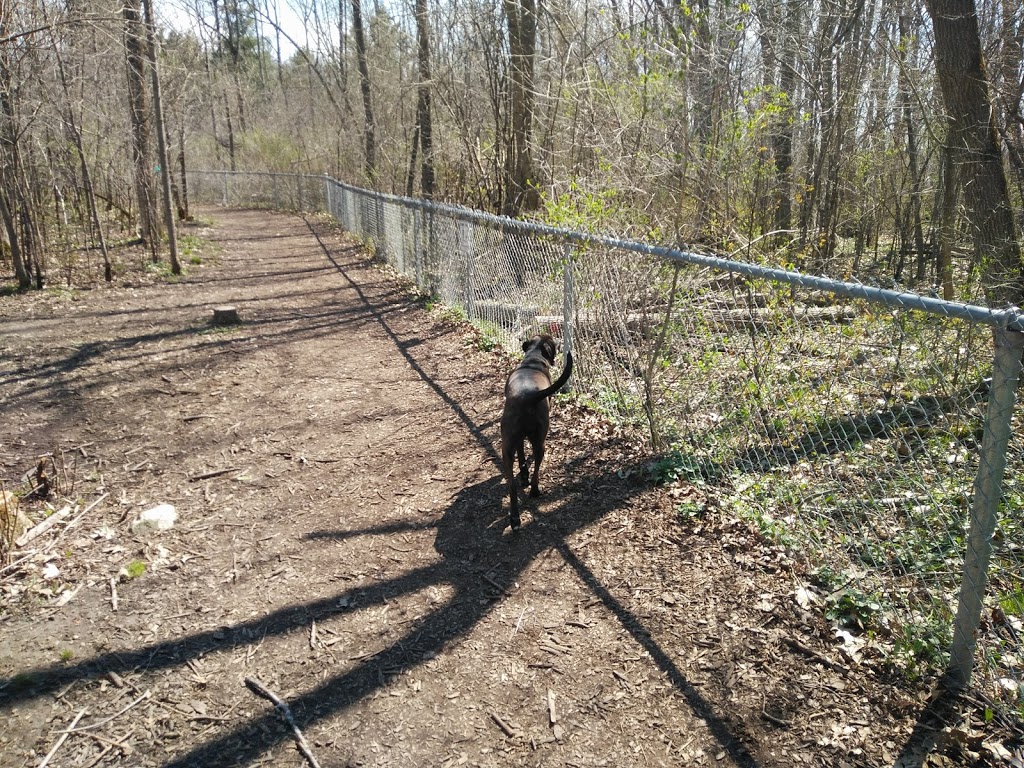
(341, 538)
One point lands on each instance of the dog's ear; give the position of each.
(549, 350)
(527, 344)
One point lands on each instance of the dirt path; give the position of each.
(350, 550)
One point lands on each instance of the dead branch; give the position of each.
(260, 689)
(63, 737)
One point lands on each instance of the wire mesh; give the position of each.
(843, 421)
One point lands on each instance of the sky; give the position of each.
(181, 15)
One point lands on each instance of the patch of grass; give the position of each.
(135, 568)
(190, 246)
(66, 655)
(454, 314)
(61, 291)
(1012, 603)
(161, 269)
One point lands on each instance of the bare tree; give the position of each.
(369, 129)
(139, 114)
(161, 140)
(965, 90)
(520, 186)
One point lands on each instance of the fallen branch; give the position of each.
(796, 645)
(507, 729)
(38, 530)
(260, 689)
(63, 737)
(72, 523)
(106, 720)
(214, 473)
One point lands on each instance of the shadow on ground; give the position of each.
(465, 535)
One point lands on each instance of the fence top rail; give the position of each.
(1010, 318)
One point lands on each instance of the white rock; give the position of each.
(159, 518)
(51, 571)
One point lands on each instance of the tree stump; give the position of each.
(225, 316)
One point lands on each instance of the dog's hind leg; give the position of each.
(538, 457)
(524, 474)
(508, 470)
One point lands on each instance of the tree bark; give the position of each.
(975, 139)
(369, 138)
(138, 112)
(520, 187)
(13, 205)
(424, 119)
(161, 140)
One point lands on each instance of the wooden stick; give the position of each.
(496, 585)
(74, 521)
(214, 473)
(62, 739)
(507, 729)
(106, 720)
(260, 689)
(113, 594)
(43, 527)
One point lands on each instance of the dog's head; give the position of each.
(543, 345)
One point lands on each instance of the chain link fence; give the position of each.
(871, 432)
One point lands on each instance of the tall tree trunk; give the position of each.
(965, 90)
(521, 192)
(369, 138)
(13, 206)
(907, 41)
(161, 140)
(138, 112)
(183, 211)
(424, 119)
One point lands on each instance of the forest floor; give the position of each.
(341, 537)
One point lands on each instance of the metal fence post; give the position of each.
(988, 488)
(327, 197)
(417, 245)
(224, 199)
(568, 300)
(469, 258)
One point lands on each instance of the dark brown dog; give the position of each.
(526, 414)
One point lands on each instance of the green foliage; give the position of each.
(675, 465)
(579, 209)
(1012, 602)
(688, 511)
(850, 607)
(67, 655)
(488, 337)
(135, 568)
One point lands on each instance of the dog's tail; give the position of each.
(560, 382)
